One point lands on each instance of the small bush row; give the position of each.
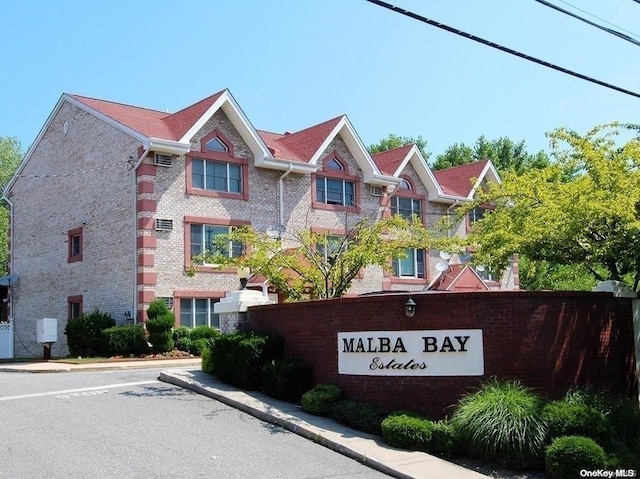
(255, 361)
(194, 340)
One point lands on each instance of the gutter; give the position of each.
(281, 192)
(134, 313)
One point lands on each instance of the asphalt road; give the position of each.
(126, 424)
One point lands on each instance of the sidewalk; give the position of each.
(365, 448)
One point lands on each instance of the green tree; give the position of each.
(10, 156)
(504, 153)
(581, 211)
(394, 141)
(320, 265)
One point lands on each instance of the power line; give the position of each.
(593, 24)
(502, 48)
(601, 19)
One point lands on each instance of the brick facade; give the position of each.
(92, 169)
(551, 341)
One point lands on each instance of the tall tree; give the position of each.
(394, 141)
(504, 153)
(10, 156)
(319, 265)
(583, 210)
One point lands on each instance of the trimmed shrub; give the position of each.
(160, 332)
(406, 430)
(207, 362)
(573, 419)
(286, 379)
(321, 399)
(238, 358)
(443, 439)
(157, 308)
(126, 340)
(358, 415)
(502, 422)
(183, 344)
(181, 332)
(203, 332)
(568, 455)
(84, 334)
(198, 345)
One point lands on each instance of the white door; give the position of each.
(6, 340)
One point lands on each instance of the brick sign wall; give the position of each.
(551, 341)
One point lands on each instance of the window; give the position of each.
(216, 144)
(411, 266)
(335, 192)
(406, 202)
(74, 240)
(198, 312)
(329, 246)
(203, 239)
(216, 176)
(406, 207)
(477, 214)
(334, 188)
(74, 306)
(215, 171)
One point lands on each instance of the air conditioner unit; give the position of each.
(161, 159)
(164, 224)
(376, 190)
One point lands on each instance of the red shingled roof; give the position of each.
(459, 277)
(457, 181)
(151, 123)
(301, 145)
(389, 161)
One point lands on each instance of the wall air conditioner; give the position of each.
(376, 190)
(164, 224)
(162, 159)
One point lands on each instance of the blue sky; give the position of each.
(294, 63)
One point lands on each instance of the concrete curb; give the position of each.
(55, 367)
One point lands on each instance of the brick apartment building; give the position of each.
(112, 201)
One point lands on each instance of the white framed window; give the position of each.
(406, 207)
(203, 239)
(216, 176)
(333, 191)
(216, 144)
(329, 246)
(198, 312)
(411, 266)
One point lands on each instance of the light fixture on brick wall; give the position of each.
(410, 308)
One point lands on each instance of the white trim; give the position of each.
(241, 123)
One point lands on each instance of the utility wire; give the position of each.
(601, 19)
(502, 48)
(593, 24)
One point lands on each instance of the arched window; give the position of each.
(216, 144)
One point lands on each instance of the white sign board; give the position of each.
(447, 352)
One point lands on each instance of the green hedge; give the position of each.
(286, 379)
(84, 334)
(567, 419)
(238, 358)
(568, 455)
(321, 399)
(126, 340)
(358, 415)
(407, 430)
(160, 330)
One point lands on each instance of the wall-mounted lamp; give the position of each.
(410, 308)
(243, 275)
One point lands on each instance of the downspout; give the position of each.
(281, 192)
(139, 161)
(448, 213)
(11, 271)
